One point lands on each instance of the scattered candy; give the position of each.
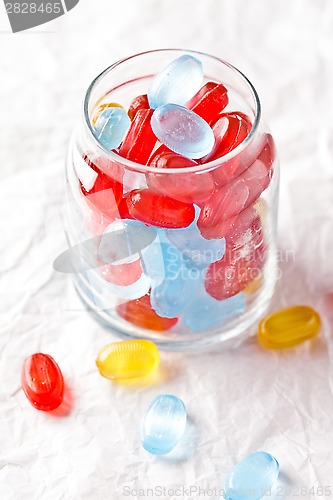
(187, 187)
(42, 382)
(101, 108)
(177, 82)
(140, 313)
(128, 359)
(182, 131)
(256, 474)
(158, 210)
(111, 126)
(205, 312)
(163, 424)
(140, 102)
(289, 327)
(140, 139)
(211, 99)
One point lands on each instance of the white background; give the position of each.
(239, 400)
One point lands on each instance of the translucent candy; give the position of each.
(257, 179)
(42, 382)
(106, 293)
(122, 274)
(206, 312)
(289, 327)
(111, 126)
(140, 139)
(163, 424)
(211, 99)
(170, 296)
(128, 359)
(256, 474)
(105, 191)
(243, 261)
(200, 251)
(187, 187)
(230, 130)
(226, 202)
(182, 131)
(140, 313)
(101, 108)
(158, 210)
(139, 102)
(177, 82)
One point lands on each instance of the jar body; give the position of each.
(182, 285)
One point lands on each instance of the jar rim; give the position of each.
(210, 165)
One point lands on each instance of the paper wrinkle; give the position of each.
(239, 399)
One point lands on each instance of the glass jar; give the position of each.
(187, 285)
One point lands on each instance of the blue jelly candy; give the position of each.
(171, 296)
(153, 257)
(182, 131)
(163, 424)
(111, 126)
(257, 473)
(206, 312)
(198, 251)
(177, 83)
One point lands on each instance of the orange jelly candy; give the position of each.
(289, 327)
(139, 312)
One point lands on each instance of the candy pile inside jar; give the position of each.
(177, 247)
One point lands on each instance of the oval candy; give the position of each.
(289, 327)
(42, 382)
(128, 359)
(111, 126)
(177, 82)
(182, 131)
(252, 477)
(163, 424)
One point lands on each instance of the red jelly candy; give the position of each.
(159, 210)
(139, 102)
(268, 153)
(140, 313)
(122, 274)
(140, 139)
(187, 187)
(243, 260)
(209, 101)
(257, 179)
(225, 203)
(107, 190)
(230, 130)
(42, 382)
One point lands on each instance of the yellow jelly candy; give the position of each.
(101, 108)
(289, 327)
(128, 359)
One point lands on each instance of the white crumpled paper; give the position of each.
(240, 399)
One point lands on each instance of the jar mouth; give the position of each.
(210, 165)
